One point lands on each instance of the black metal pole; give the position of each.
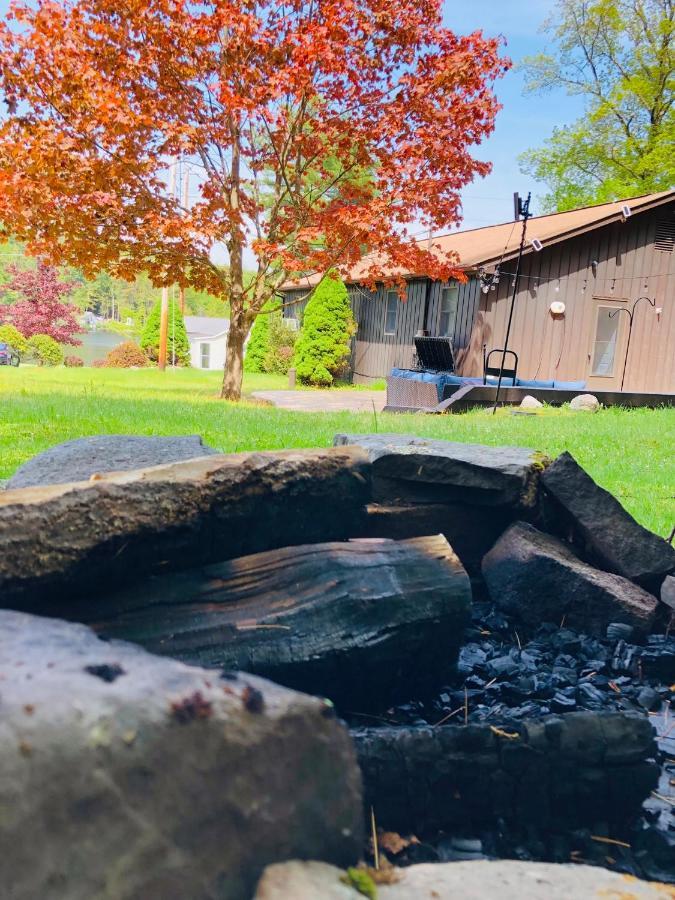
(525, 212)
(631, 314)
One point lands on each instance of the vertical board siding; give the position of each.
(628, 266)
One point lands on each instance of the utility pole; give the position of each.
(184, 201)
(164, 311)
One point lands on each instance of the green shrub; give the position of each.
(73, 362)
(281, 340)
(12, 336)
(177, 341)
(126, 356)
(258, 342)
(45, 350)
(322, 349)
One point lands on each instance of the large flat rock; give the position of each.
(59, 541)
(125, 775)
(538, 578)
(607, 535)
(481, 880)
(406, 468)
(81, 458)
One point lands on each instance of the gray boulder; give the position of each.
(78, 460)
(538, 578)
(529, 402)
(406, 468)
(606, 534)
(480, 880)
(585, 403)
(124, 775)
(668, 592)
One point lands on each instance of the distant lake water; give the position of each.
(95, 345)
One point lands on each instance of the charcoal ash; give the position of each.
(506, 675)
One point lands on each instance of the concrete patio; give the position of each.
(325, 401)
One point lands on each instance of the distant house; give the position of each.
(208, 341)
(580, 269)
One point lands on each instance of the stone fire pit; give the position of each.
(488, 623)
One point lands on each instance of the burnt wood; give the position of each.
(558, 771)
(363, 623)
(470, 530)
(58, 542)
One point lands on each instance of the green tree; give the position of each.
(178, 346)
(619, 55)
(45, 350)
(322, 349)
(258, 342)
(12, 336)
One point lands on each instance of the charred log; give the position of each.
(363, 622)
(552, 772)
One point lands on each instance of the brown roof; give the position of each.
(484, 246)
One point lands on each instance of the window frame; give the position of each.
(204, 345)
(390, 294)
(609, 309)
(446, 291)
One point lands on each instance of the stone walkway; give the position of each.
(325, 401)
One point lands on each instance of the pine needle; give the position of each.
(373, 828)
(606, 840)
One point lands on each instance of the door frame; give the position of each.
(607, 382)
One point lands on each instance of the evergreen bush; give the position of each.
(258, 342)
(177, 340)
(12, 336)
(45, 350)
(281, 340)
(322, 349)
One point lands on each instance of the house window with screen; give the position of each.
(391, 312)
(448, 315)
(204, 355)
(606, 338)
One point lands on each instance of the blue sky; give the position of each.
(524, 121)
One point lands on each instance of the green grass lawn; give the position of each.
(630, 452)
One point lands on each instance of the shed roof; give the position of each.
(206, 326)
(487, 245)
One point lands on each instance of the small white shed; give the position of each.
(208, 341)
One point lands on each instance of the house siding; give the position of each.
(628, 266)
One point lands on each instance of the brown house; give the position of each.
(582, 272)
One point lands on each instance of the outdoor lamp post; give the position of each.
(631, 313)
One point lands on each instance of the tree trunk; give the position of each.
(68, 540)
(234, 361)
(557, 771)
(366, 623)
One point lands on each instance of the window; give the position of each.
(665, 235)
(606, 339)
(391, 312)
(448, 316)
(204, 355)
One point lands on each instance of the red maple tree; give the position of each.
(40, 309)
(320, 129)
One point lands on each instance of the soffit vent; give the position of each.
(665, 235)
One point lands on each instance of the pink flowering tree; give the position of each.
(40, 308)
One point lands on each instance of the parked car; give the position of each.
(9, 356)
